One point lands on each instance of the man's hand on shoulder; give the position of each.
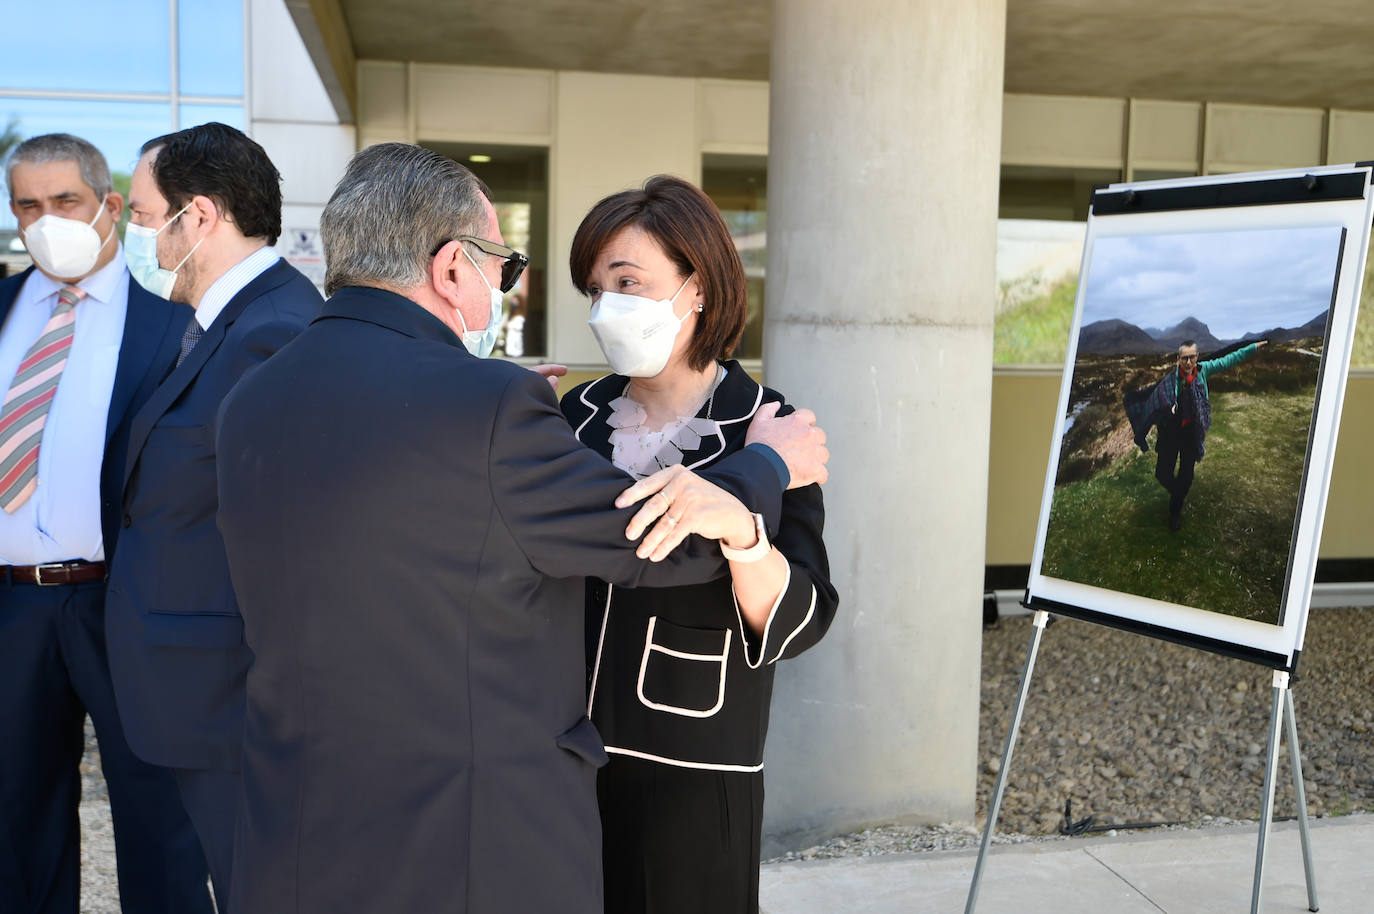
(551, 372)
(796, 438)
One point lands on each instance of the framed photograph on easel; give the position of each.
(1199, 407)
(1214, 321)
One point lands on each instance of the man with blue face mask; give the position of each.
(205, 210)
(82, 347)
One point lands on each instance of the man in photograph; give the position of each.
(1180, 405)
(205, 210)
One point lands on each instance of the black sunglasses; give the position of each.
(514, 265)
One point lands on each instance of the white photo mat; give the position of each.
(1275, 645)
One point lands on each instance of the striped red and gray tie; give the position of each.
(29, 398)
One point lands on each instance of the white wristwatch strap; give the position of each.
(755, 552)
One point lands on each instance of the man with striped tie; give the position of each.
(205, 210)
(81, 348)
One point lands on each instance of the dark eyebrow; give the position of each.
(625, 263)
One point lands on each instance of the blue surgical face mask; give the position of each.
(140, 250)
(481, 342)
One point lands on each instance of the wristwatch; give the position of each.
(755, 552)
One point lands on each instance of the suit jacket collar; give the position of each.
(736, 400)
(145, 325)
(182, 375)
(9, 291)
(389, 310)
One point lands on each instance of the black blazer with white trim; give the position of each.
(675, 676)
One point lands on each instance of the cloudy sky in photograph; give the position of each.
(1234, 282)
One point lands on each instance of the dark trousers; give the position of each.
(1176, 446)
(53, 671)
(679, 840)
(211, 797)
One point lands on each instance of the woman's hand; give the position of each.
(683, 503)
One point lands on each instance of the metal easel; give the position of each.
(1282, 710)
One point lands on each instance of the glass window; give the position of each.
(210, 54)
(519, 180)
(192, 115)
(117, 129)
(738, 184)
(102, 46)
(1042, 214)
(1032, 192)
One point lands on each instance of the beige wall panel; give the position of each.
(1347, 532)
(734, 115)
(487, 103)
(1255, 138)
(1023, 405)
(590, 158)
(1063, 131)
(372, 139)
(1352, 137)
(278, 58)
(382, 98)
(310, 157)
(1164, 135)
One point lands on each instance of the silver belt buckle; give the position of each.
(52, 566)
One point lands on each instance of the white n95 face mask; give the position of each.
(65, 248)
(635, 333)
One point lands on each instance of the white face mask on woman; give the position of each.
(66, 248)
(635, 333)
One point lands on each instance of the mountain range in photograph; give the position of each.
(1118, 337)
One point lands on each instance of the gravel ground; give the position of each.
(1129, 729)
(1133, 730)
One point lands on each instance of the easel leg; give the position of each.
(1300, 794)
(1271, 763)
(995, 807)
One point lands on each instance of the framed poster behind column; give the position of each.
(1199, 408)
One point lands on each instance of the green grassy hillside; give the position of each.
(1111, 530)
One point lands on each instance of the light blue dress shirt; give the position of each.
(232, 283)
(61, 520)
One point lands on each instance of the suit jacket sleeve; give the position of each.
(804, 610)
(747, 475)
(806, 606)
(260, 343)
(557, 498)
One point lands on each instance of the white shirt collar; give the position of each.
(99, 286)
(223, 290)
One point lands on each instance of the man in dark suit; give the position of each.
(207, 203)
(408, 525)
(81, 348)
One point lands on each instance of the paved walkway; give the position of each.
(1178, 872)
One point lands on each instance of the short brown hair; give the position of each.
(688, 227)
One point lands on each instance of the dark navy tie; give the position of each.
(189, 339)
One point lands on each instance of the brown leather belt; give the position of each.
(54, 573)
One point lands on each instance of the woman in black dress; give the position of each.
(681, 678)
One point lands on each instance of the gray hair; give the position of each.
(62, 147)
(394, 205)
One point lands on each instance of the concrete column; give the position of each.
(884, 149)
